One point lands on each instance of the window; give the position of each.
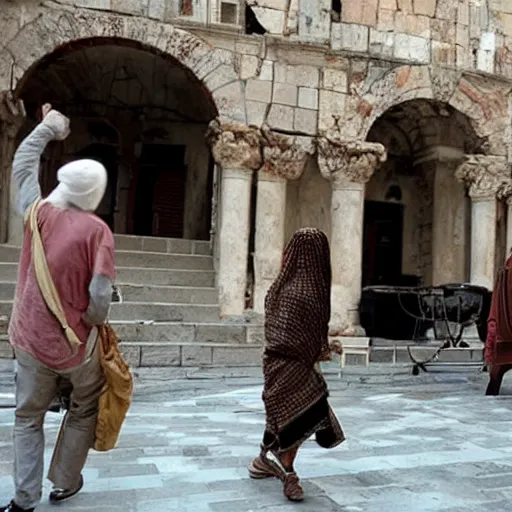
(229, 13)
(186, 8)
(336, 11)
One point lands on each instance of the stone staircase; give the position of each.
(170, 312)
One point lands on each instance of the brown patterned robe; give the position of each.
(297, 312)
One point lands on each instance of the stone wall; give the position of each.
(319, 67)
(469, 34)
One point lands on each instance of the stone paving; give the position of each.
(427, 443)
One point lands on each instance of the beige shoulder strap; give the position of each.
(44, 278)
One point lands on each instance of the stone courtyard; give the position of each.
(414, 444)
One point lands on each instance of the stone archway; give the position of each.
(52, 28)
(52, 32)
(483, 100)
(144, 116)
(444, 196)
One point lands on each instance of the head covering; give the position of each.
(82, 184)
(306, 271)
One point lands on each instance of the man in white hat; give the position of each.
(79, 248)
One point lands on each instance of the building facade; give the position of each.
(386, 123)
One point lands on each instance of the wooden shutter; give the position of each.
(169, 203)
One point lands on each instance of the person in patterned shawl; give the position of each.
(297, 313)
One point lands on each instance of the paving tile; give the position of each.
(414, 444)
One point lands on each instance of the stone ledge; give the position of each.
(150, 354)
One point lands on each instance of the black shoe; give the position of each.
(12, 507)
(59, 495)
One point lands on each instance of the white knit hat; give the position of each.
(82, 183)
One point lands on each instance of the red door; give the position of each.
(169, 202)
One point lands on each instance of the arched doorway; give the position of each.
(141, 113)
(417, 214)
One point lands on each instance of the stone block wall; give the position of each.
(352, 65)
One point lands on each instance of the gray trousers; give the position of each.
(36, 387)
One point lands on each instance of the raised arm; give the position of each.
(25, 167)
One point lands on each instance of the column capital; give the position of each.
(348, 161)
(486, 177)
(235, 145)
(284, 157)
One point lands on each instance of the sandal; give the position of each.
(261, 467)
(292, 488)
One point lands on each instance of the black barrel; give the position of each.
(389, 312)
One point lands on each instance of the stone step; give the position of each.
(203, 332)
(145, 293)
(139, 276)
(157, 354)
(175, 294)
(160, 312)
(190, 354)
(165, 312)
(203, 353)
(144, 259)
(165, 245)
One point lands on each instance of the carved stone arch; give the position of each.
(483, 100)
(51, 29)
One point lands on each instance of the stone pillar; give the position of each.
(12, 116)
(349, 166)
(488, 178)
(449, 225)
(284, 158)
(509, 226)
(236, 148)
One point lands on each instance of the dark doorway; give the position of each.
(107, 155)
(160, 201)
(382, 244)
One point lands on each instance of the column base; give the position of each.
(344, 318)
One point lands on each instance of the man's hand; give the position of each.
(56, 121)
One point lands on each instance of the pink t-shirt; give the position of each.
(78, 245)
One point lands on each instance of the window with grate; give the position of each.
(229, 12)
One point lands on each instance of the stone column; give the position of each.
(236, 148)
(284, 158)
(448, 224)
(12, 116)
(509, 226)
(349, 166)
(488, 178)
